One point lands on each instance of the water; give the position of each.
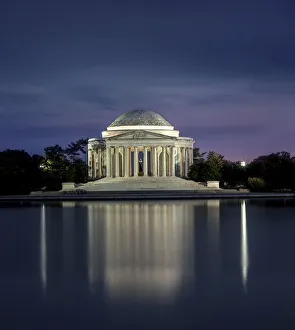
(152, 265)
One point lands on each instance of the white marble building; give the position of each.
(140, 143)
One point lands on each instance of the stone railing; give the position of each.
(213, 184)
(68, 185)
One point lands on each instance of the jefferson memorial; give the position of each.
(140, 150)
(140, 143)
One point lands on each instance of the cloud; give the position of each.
(276, 86)
(227, 131)
(91, 94)
(45, 132)
(18, 98)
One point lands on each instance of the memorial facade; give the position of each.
(139, 143)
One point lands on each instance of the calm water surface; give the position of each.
(151, 265)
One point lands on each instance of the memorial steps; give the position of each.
(142, 183)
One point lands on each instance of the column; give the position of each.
(179, 161)
(155, 162)
(186, 161)
(117, 162)
(135, 161)
(94, 164)
(172, 149)
(152, 160)
(108, 161)
(164, 161)
(130, 161)
(145, 162)
(126, 154)
(183, 161)
(99, 162)
(103, 162)
(90, 164)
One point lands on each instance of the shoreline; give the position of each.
(142, 195)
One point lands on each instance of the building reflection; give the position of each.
(135, 250)
(148, 248)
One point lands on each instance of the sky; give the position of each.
(222, 72)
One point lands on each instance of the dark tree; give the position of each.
(234, 174)
(19, 172)
(276, 169)
(198, 156)
(209, 169)
(196, 169)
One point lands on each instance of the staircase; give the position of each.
(142, 184)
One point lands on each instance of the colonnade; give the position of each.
(96, 163)
(127, 161)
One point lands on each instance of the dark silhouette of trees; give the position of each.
(21, 173)
(276, 169)
(75, 150)
(198, 156)
(271, 172)
(233, 174)
(206, 168)
(196, 170)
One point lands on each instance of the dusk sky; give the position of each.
(222, 72)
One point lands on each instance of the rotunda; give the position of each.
(139, 143)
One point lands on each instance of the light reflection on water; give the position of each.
(244, 245)
(139, 250)
(43, 246)
(157, 257)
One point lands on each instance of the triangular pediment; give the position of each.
(139, 135)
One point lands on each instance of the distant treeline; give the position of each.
(21, 173)
(273, 172)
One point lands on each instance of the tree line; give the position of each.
(272, 172)
(21, 173)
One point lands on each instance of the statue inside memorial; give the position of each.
(140, 166)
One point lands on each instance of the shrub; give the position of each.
(256, 184)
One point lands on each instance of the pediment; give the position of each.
(140, 135)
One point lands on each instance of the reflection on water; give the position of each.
(135, 250)
(244, 245)
(213, 225)
(148, 248)
(43, 254)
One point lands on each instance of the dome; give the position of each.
(140, 118)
